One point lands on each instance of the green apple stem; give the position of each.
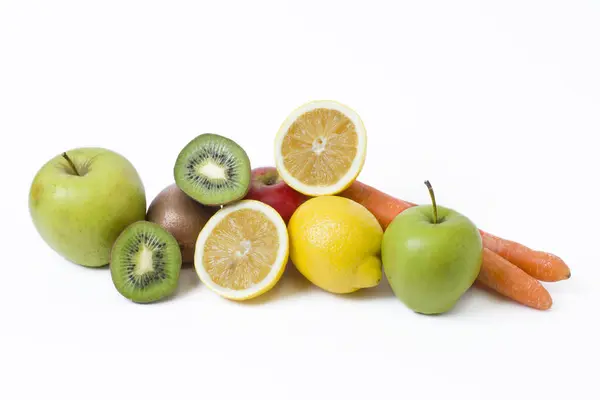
(71, 163)
(432, 195)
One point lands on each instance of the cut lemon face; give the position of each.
(242, 250)
(321, 148)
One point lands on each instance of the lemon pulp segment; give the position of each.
(241, 249)
(320, 147)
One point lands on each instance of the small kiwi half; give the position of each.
(181, 216)
(145, 262)
(213, 170)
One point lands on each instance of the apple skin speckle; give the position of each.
(37, 191)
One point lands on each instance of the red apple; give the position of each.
(268, 187)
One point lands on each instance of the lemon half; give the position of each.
(242, 250)
(320, 148)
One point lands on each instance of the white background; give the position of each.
(497, 103)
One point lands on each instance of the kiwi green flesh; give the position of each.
(213, 170)
(145, 263)
(181, 216)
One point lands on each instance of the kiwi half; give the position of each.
(213, 170)
(145, 262)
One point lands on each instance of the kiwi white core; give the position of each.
(211, 170)
(145, 261)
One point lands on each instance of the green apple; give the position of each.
(431, 256)
(81, 200)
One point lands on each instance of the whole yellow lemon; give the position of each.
(336, 244)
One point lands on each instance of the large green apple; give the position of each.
(431, 256)
(81, 200)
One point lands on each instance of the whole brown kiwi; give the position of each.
(182, 216)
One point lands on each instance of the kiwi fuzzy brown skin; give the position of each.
(181, 216)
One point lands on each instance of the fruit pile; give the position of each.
(239, 226)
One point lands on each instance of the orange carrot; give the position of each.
(540, 265)
(383, 206)
(507, 279)
(543, 266)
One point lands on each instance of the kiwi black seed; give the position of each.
(181, 216)
(145, 262)
(213, 170)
